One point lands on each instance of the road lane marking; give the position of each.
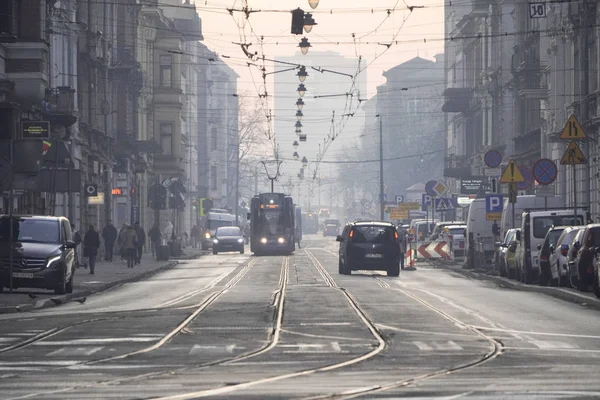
(423, 346)
(75, 351)
(95, 341)
(320, 336)
(200, 349)
(325, 323)
(439, 346)
(534, 333)
(552, 345)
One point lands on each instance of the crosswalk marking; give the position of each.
(431, 346)
(75, 351)
(94, 341)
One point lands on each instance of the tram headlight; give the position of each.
(263, 240)
(281, 240)
(240, 240)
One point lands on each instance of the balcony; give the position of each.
(26, 65)
(59, 106)
(457, 100)
(166, 164)
(457, 167)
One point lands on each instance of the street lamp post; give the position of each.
(381, 194)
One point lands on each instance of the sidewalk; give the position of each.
(107, 275)
(587, 299)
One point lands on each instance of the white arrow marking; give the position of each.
(423, 346)
(551, 345)
(76, 351)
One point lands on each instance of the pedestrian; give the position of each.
(195, 236)
(120, 241)
(141, 240)
(402, 239)
(77, 239)
(129, 246)
(109, 234)
(185, 239)
(155, 237)
(91, 243)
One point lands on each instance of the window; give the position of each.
(166, 138)
(228, 231)
(30, 230)
(373, 234)
(166, 73)
(8, 17)
(213, 178)
(213, 139)
(414, 106)
(541, 225)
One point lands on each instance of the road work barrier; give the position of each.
(439, 249)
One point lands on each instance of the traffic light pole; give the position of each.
(381, 189)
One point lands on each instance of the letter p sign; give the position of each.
(494, 203)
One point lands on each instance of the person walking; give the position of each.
(120, 241)
(129, 246)
(155, 236)
(195, 236)
(77, 239)
(91, 243)
(109, 234)
(141, 240)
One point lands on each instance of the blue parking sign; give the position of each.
(494, 203)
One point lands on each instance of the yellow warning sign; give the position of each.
(512, 174)
(572, 130)
(573, 155)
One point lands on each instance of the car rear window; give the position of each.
(553, 236)
(457, 231)
(593, 237)
(372, 234)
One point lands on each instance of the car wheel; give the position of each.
(242, 250)
(215, 252)
(543, 278)
(69, 288)
(394, 270)
(502, 269)
(596, 284)
(563, 281)
(582, 284)
(343, 269)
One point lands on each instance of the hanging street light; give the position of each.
(304, 45)
(298, 125)
(296, 156)
(295, 144)
(300, 103)
(301, 91)
(313, 3)
(299, 115)
(309, 22)
(303, 137)
(302, 74)
(304, 162)
(298, 131)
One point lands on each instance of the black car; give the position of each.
(43, 253)
(369, 245)
(228, 238)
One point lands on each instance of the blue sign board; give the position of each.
(494, 203)
(492, 158)
(425, 202)
(545, 171)
(429, 188)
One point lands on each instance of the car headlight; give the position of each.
(52, 261)
(240, 240)
(215, 241)
(263, 240)
(281, 240)
(207, 235)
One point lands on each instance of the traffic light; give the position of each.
(297, 21)
(205, 206)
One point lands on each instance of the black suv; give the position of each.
(228, 238)
(43, 253)
(369, 245)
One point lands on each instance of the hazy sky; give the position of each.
(337, 20)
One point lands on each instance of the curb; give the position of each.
(62, 299)
(559, 293)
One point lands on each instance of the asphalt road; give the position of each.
(243, 327)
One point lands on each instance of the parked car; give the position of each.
(458, 234)
(228, 238)
(559, 256)
(586, 252)
(573, 257)
(43, 253)
(506, 257)
(546, 249)
(372, 245)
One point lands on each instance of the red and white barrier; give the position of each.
(438, 249)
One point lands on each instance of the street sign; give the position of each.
(492, 172)
(511, 174)
(408, 206)
(537, 10)
(545, 191)
(429, 188)
(398, 214)
(573, 155)
(440, 189)
(399, 199)
(471, 185)
(494, 204)
(425, 201)
(545, 171)
(572, 130)
(443, 204)
(91, 190)
(492, 158)
(528, 178)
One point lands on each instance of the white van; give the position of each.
(528, 202)
(534, 226)
(479, 229)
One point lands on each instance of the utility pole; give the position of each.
(237, 183)
(381, 205)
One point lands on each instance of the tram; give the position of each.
(272, 224)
